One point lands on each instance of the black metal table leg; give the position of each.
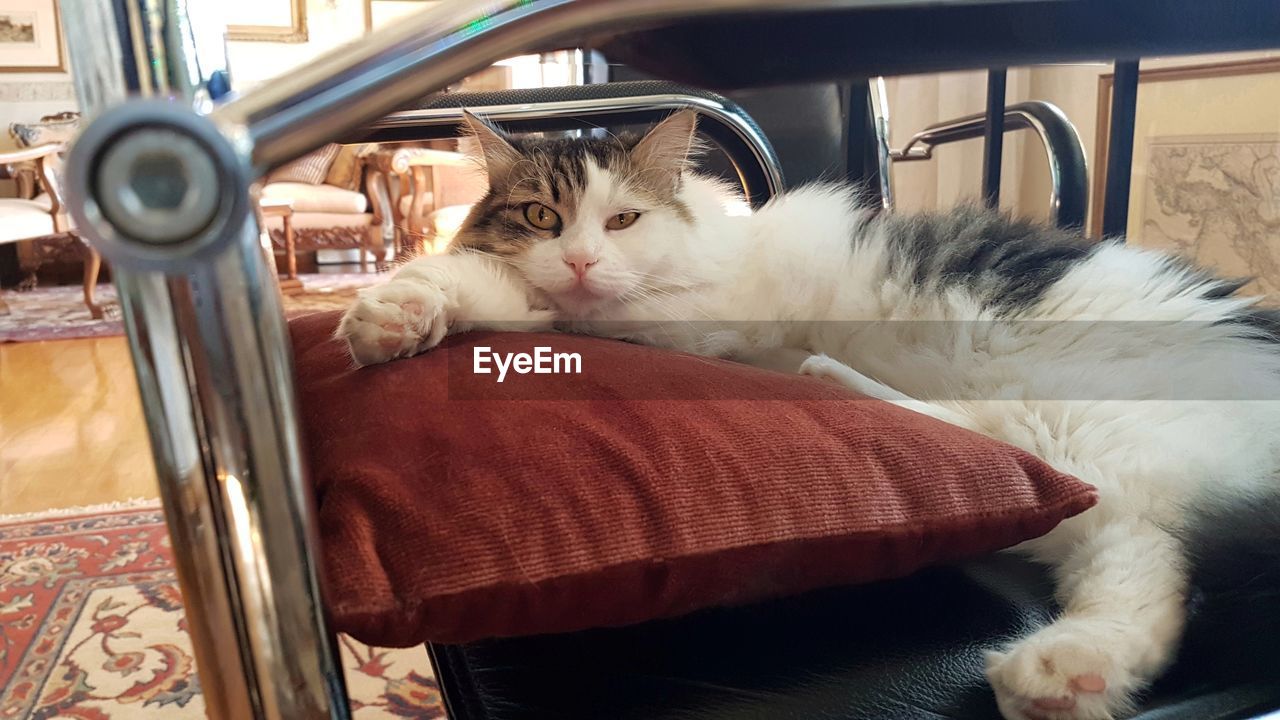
(993, 137)
(1124, 105)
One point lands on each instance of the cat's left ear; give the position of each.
(668, 149)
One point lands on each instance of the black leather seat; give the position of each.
(829, 140)
(902, 650)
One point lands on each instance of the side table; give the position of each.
(283, 208)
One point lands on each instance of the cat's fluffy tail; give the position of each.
(1234, 554)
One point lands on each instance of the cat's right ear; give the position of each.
(496, 151)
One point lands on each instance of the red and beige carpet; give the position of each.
(91, 627)
(58, 312)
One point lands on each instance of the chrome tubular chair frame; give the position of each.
(564, 108)
(163, 190)
(880, 122)
(1070, 186)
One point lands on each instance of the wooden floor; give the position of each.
(71, 429)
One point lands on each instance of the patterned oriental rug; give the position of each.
(91, 627)
(58, 312)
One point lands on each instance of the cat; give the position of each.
(1125, 367)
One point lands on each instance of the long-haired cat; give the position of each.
(1126, 368)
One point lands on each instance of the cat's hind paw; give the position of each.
(1060, 673)
(398, 319)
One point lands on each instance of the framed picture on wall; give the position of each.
(266, 20)
(378, 13)
(30, 36)
(1206, 166)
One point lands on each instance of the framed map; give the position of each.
(30, 39)
(1206, 167)
(1216, 200)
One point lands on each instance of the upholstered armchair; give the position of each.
(43, 220)
(431, 191)
(336, 204)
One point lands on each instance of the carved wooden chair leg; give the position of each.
(431, 237)
(376, 246)
(384, 216)
(290, 248)
(424, 186)
(92, 266)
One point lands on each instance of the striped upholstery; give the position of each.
(310, 168)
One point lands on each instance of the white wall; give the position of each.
(330, 24)
(333, 23)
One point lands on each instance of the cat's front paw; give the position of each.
(1070, 670)
(824, 368)
(398, 319)
(832, 370)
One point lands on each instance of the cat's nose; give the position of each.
(580, 262)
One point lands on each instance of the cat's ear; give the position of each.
(668, 149)
(496, 151)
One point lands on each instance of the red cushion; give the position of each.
(454, 508)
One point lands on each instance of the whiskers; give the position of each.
(512, 261)
(669, 281)
(674, 305)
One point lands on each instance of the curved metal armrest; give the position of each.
(1062, 145)
(576, 107)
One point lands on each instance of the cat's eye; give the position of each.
(541, 216)
(621, 220)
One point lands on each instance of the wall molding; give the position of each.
(36, 92)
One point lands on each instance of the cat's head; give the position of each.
(589, 222)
